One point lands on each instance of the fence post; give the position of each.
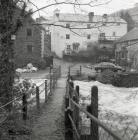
(45, 91)
(59, 71)
(78, 91)
(71, 87)
(94, 112)
(80, 70)
(77, 109)
(67, 95)
(68, 125)
(53, 79)
(66, 102)
(24, 109)
(37, 98)
(69, 72)
(75, 117)
(50, 81)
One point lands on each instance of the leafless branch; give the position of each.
(29, 1)
(72, 3)
(98, 23)
(57, 3)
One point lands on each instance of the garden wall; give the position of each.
(129, 80)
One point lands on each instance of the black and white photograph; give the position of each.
(68, 69)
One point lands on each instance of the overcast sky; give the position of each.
(114, 5)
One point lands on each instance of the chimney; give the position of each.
(91, 15)
(105, 16)
(57, 12)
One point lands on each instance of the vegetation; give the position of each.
(126, 16)
(96, 54)
(11, 21)
(37, 62)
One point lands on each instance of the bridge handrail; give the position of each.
(93, 118)
(98, 122)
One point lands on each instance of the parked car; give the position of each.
(107, 65)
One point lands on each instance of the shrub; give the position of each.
(117, 80)
(22, 61)
(40, 63)
(25, 86)
(106, 77)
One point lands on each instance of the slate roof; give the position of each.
(131, 35)
(85, 18)
(70, 17)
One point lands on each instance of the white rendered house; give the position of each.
(72, 32)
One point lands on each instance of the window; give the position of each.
(88, 26)
(114, 33)
(29, 48)
(75, 48)
(68, 49)
(67, 36)
(102, 34)
(29, 32)
(89, 36)
(68, 25)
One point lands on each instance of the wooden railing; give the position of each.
(25, 109)
(46, 88)
(98, 130)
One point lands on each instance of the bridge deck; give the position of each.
(50, 125)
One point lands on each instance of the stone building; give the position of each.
(126, 51)
(31, 44)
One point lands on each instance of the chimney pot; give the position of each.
(57, 12)
(104, 15)
(91, 15)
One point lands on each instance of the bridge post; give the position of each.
(69, 72)
(94, 112)
(37, 99)
(24, 109)
(77, 109)
(71, 87)
(45, 91)
(50, 81)
(80, 70)
(68, 125)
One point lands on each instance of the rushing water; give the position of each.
(118, 107)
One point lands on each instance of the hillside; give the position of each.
(134, 13)
(130, 16)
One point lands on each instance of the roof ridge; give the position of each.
(131, 35)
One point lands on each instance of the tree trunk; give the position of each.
(6, 52)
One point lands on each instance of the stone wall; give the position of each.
(126, 80)
(22, 56)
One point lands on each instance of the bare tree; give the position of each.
(9, 25)
(13, 13)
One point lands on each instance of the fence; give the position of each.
(72, 119)
(75, 71)
(27, 107)
(88, 123)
